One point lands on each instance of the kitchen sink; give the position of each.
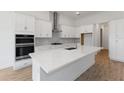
(56, 43)
(70, 48)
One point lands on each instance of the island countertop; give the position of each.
(52, 60)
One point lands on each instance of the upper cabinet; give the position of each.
(85, 29)
(120, 29)
(75, 32)
(116, 28)
(24, 24)
(79, 30)
(88, 29)
(68, 31)
(39, 23)
(43, 29)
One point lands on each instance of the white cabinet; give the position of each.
(30, 24)
(120, 49)
(120, 28)
(116, 40)
(20, 23)
(43, 29)
(89, 29)
(86, 29)
(68, 31)
(79, 30)
(112, 40)
(24, 24)
(74, 32)
(7, 39)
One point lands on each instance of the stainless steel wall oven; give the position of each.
(24, 46)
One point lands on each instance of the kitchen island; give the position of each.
(61, 64)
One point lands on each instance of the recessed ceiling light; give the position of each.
(77, 13)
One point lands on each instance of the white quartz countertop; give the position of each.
(51, 60)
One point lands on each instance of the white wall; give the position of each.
(100, 17)
(105, 36)
(7, 40)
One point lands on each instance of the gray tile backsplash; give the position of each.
(55, 39)
(47, 41)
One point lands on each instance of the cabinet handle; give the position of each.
(116, 40)
(25, 28)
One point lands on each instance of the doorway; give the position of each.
(102, 35)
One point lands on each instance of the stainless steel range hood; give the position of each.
(55, 23)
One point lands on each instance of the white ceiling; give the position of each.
(72, 14)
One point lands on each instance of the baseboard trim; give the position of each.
(5, 66)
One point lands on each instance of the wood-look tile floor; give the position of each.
(103, 70)
(9, 74)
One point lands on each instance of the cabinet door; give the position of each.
(20, 23)
(68, 31)
(37, 29)
(30, 24)
(80, 29)
(74, 33)
(120, 28)
(112, 40)
(88, 28)
(43, 29)
(112, 48)
(120, 49)
(71, 32)
(77, 32)
(65, 31)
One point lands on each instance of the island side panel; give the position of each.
(35, 71)
(69, 72)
